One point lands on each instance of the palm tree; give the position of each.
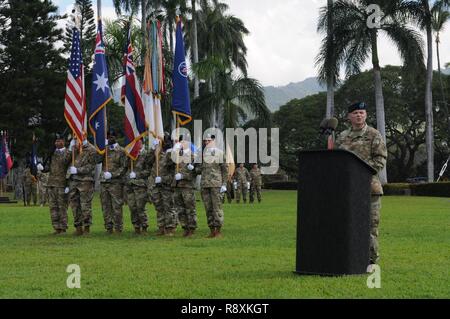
(326, 59)
(440, 17)
(421, 12)
(355, 42)
(237, 97)
(115, 39)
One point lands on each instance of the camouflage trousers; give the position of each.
(30, 193)
(80, 200)
(137, 199)
(212, 199)
(229, 193)
(57, 202)
(241, 188)
(43, 195)
(254, 188)
(375, 207)
(162, 198)
(111, 196)
(184, 203)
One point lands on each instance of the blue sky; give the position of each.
(283, 42)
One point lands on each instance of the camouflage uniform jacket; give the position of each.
(255, 176)
(214, 169)
(368, 144)
(117, 165)
(188, 180)
(242, 175)
(27, 177)
(85, 163)
(142, 168)
(166, 169)
(58, 168)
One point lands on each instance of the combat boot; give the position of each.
(137, 230)
(56, 232)
(213, 233)
(79, 231)
(218, 234)
(62, 231)
(170, 232)
(160, 232)
(144, 230)
(109, 231)
(87, 229)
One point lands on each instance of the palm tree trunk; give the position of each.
(330, 80)
(195, 48)
(379, 99)
(444, 98)
(429, 108)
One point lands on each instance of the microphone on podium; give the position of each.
(328, 127)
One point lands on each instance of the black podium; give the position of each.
(333, 213)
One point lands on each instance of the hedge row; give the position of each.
(426, 189)
(431, 189)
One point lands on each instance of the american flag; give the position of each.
(134, 121)
(75, 101)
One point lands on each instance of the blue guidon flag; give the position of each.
(180, 100)
(101, 94)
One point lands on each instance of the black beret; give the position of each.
(59, 136)
(357, 106)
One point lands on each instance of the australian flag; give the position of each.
(180, 100)
(101, 93)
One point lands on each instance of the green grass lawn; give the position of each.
(255, 259)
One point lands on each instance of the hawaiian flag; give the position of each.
(75, 99)
(134, 121)
(180, 99)
(101, 94)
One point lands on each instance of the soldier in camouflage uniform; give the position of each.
(29, 182)
(111, 184)
(42, 185)
(160, 183)
(255, 183)
(136, 189)
(242, 177)
(368, 144)
(214, 171)
(81, 184)
(183, 184)
(57, 188)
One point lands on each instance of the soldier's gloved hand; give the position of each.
(248, 185)
(106, 142)
(178, 177)
(223, 189)
(66, 190)
(107, 175)
(190, 167)
(73, 170)
(132, 175)
(177, 147)
(40, 167)
(158, 180)
(155, 143)
(235, 185)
